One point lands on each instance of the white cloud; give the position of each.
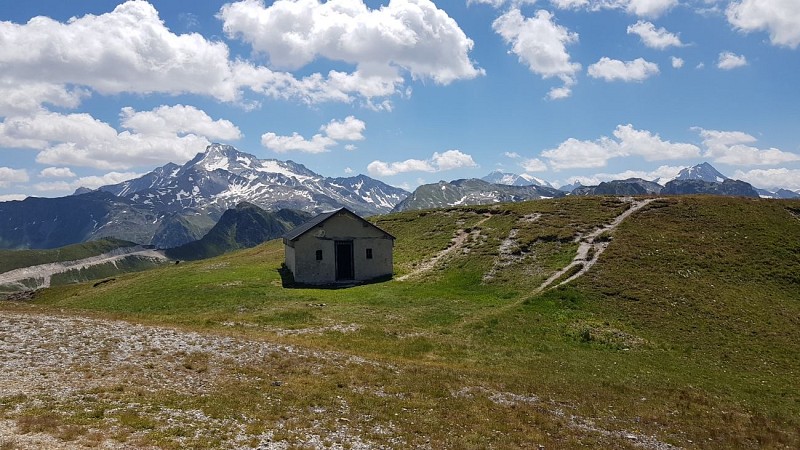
(512, 155)
(350, 129)
(650, 146)
(126, 50)
(9, 176)
(781, 18)
(282, 144)
(540, 44)
(728, 61)
(573, 153)
(130, 50)
(451, 159)
(413, 35)
(91, 182)
(500, 3)
(12, 197)
(641, 8)
(178, 120)
(82, 140)
(533, 165)
(613, 69)
(771, 178)
(654, 38)
(348, 170)
(677, 63)
(730, 147)
(659, 174)
(57, 172)
(647, 8)
(380, 168)
(20, 97)
(350, 147)
(629, 141)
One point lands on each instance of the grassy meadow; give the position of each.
(686, 333)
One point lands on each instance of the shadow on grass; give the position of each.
(288, 282)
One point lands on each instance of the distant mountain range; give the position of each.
(638, 186)
(178, 204)
(513, 179)
(175, 205)
(472, 192)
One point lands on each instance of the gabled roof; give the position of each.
(305, 227)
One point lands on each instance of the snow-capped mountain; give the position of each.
(472, 192)
(173, 204)
(513, 179)
(222, 177)
(704, 172)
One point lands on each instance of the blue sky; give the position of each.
(406, 91)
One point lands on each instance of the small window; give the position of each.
(369, 253)
(319, 255)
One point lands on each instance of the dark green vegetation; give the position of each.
(687, 330)
(14, 259)
(243, 227)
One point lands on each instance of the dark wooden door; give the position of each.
(344, 260)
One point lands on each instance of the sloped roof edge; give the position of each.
(307, 226)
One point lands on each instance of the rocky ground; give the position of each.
(67, 362)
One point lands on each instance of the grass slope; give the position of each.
(685, 333)
(15, 259)
(245, 226)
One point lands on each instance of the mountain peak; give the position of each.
(703, 171)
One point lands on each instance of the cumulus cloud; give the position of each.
(616, 70)
(771, 178)
(57, 172)
(282, 144)
(574, 153)
(533, 165)
(654, 38)
(9, 176)
(641, 8)
(126, 50)
(18, 97)
(730, 147)
(661, 175)
(91, 182)
(677, 63)
(541, 44)
(349, 129)
(12, 197)
(82, 140)
(130, 50)
(451, 159)
(178, 120)
(512, 155)
(780, 18)
(729, 60)
(412, 35)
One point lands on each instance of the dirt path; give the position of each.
(44, 272)
(589, 250)
(457, 242)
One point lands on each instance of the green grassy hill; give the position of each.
(685, 333)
